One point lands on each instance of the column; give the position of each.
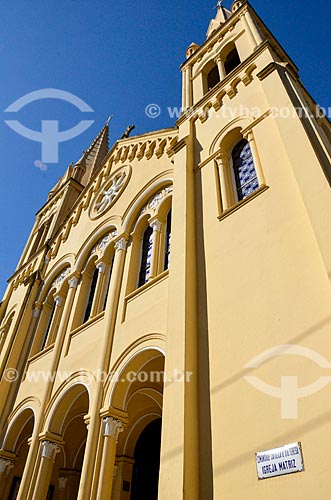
(189, 99)
(184, 105)
(155, 224)
(111, 430)
(251, 23)
(5, 468)
(222, 163)
(220, 65)
(109, 323)
(49, 450)
(248, 31)
(256, 158)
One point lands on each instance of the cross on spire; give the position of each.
(109, 119)
(219, 4)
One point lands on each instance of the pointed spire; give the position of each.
(222, 16)
(92, 157)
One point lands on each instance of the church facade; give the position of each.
(166, 333)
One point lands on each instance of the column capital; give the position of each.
(156, 225)
(112, 427)
(62, 483)
(219, 58)
(222, 157)
(6, 466)
(248, 135)
(73, 281)
(121, 244)
(58, 300)
(87, 420)
(49, 450)
(101, 267)
(36, 310)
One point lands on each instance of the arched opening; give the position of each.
(230, 57)
(67, 421)
(17, 442)
(138, 450)
(145, 475)
(231, 61)
(213, 78)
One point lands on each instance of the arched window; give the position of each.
(40, 236)
(167, 242)
(146, 256)
(91, 294)
(108, 282)
(5, 329)
(49, 324)
(244, 170)
(213, 78)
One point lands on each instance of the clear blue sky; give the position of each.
(118, 57)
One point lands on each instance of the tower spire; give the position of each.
(221, 17)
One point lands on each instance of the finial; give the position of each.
(110, 117)
(219, 4)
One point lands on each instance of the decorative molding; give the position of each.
(156, 199)
(104, 242)
(57, 283)
(155, 202)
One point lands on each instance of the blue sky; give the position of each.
(118, 57)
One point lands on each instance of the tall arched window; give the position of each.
(91, 294)
(244, 170)
(45, 339)
(146, 256)
(47, 327)
(110, 270)
(167, 242)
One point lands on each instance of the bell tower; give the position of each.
(253, 161)
(231, 38)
